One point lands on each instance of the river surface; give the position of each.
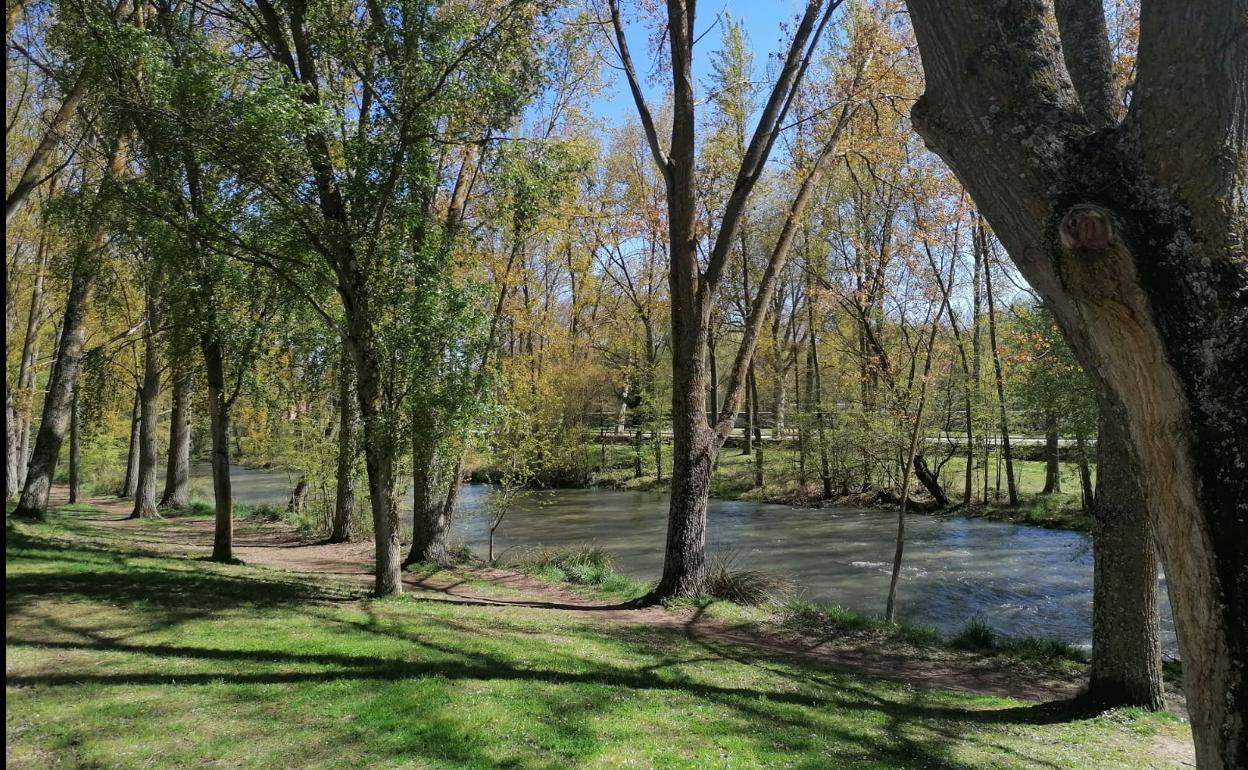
(1021, 580)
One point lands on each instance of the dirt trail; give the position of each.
(281, 546)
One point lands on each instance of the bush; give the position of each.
(1031, 648)
(460, 553)
(750, 587)
(976, 635)
(581, 565)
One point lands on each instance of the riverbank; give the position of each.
(615, 466)
(133, 652)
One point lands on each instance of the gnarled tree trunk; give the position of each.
(1133, 231)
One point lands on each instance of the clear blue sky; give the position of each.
(762, 20)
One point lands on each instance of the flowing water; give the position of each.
(1020, 580)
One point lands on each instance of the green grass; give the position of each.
(819, 620)
(120, 659)
(586, 566)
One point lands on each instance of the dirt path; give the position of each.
(282, 546)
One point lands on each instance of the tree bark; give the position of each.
(1126, 640)
(177, 492)
(1134, 236)
(929, 481)
(145, 502)
(26, 367)
(130, 484)
(219, 429)
(1052, 457)
(1086, 490)
(758, 434)
(75, 447)
(32, 172)
(431, 525)
(344, 495)
(378, 443)
(816, 395)
(57, 403)
(747, 446)
(298, 496)
(11, 448)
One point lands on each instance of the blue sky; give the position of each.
(762, 20)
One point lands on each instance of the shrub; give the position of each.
(976, 635)
(1031, 648)
(460, 553)
(751, 587)
(581, 565)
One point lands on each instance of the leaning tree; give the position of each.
(1131, 220)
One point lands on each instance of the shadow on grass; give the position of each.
(128, 577)
(567, 684)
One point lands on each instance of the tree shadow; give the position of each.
(568, 683)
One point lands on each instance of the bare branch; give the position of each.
(647, 120)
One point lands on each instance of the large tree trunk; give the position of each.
(694, 449)
(431, 525)
(58, 401)
(145, 502)
(298, 496)
(33, 171)
(344, 476)
(378, 432)
(1134, 235)
(1126, 642)
(219, 430)
(177, 492)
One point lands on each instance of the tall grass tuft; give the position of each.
(750, 587)
(976, 635)
(589, 565)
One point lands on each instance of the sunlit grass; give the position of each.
(120, 659)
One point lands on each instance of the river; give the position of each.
(1021, 580)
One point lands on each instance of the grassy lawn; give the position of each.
(120, 659)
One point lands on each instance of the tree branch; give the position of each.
(1085, 47)
(647, 120)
